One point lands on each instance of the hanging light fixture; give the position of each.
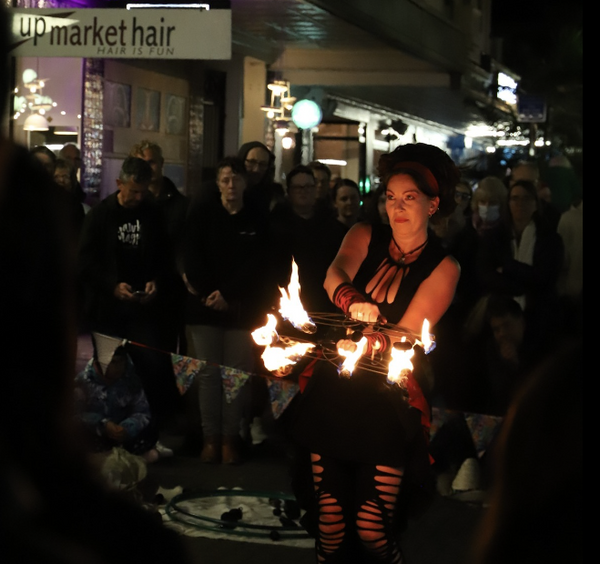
(35, 100)
(280, 105)
(36, 122)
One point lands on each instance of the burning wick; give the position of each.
(426, 341)
(290, 306)
(281, 359)
(267, 334)
(400, 364)
(352, 357)
(278, 359)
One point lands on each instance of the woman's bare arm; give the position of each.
(434, 296)
(353, 251)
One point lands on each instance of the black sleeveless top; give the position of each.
(364, 419)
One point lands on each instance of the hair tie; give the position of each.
(423, 171)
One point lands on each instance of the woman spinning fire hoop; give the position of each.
(366, 441)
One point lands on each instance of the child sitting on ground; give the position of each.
(112, 405)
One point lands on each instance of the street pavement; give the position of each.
(443, 535)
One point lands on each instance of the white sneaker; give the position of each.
(162, 450)
(468, 476)
(257, 432)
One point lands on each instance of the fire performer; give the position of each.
(366, 442)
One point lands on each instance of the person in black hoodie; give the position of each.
(262, 192)
(226, 265)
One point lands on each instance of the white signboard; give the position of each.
(119, 33)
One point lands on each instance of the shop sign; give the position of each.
(531, 109)
(118, 33)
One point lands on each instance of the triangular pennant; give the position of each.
(439, 417)
(185, 369)
(105, 347)
(233, 380)
(281, 393)
(483, 429)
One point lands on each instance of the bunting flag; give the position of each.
(233, 380)
(439, 417)
(105, 347)
(483, 428)
(281, 393)
(185, 369)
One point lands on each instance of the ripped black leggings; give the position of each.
(356, 508)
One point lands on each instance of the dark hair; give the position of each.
(531, 189)
(318, 165)
(299, 169)
(64, 163)
(445, 172)
(501, 306)
(136, 168)
(344, 182)
(44, 151)
(139, 148)
(527, 185)
(235, 163)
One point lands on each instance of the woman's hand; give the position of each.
(216, 301)
(366, 312)
(346, 345)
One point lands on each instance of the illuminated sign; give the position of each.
(117, 33)
(507, 89)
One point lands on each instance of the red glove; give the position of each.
(345, 295)
(377, 343)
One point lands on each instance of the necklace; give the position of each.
(403, 255)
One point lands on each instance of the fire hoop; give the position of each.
(273, 527)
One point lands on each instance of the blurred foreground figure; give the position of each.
(54, 507)
(536, 504)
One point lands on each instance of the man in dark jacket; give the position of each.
(124, 268)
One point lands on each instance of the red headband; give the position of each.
(423, 171)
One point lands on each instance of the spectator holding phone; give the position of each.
(123, 268)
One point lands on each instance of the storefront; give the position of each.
(105, 79)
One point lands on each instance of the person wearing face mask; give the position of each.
(488, 203)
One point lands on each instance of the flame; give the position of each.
(400, 364)
(277, 359)
(290, 306)
(426, 337)
(352, 357)
(267, 334)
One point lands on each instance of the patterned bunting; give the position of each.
(233, 380)
(185, 369)
(439, 417)
(281, 393)
(484, 429)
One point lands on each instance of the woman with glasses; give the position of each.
(262, 192)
